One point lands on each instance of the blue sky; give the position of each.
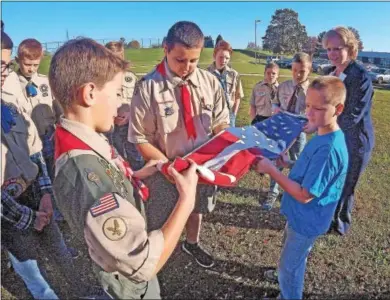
(48, 21)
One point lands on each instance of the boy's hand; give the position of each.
(263, 165)
(309, 128)
(46, 206)
(122, 120)
(186, 182)
(41, 220)
(283, 161)
(147, 170)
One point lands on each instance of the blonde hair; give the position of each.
(224, 46)
(331, 87)
(302, 58)
(348, 38)
(117, 47)
(78, 62)
(30, 49)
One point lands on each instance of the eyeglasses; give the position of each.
(5, 66)
(336, 49)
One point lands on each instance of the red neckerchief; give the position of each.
(65, 141)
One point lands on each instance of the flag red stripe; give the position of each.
(213, 148)
(103, 207)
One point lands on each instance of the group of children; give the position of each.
(131, 231)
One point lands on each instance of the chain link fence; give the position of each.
(51, 47)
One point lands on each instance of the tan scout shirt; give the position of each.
(19, 144)
(261, 99)
(42, 108)
(117, 240)
(156, 114)
(128, 85)
(233, 81)
(285, 92)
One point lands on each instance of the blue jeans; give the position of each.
(29, 271)
(294, 152)
(127, 150)
(292, 264)
(232, 119)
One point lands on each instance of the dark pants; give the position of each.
(30, 244)
(258, 119)
(359, 155)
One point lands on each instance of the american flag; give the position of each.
(226, 157)
(106, 203)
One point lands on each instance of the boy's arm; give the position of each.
(22, 217)
(221, 119)
(238, 96)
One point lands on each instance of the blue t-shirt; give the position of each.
(320, 169)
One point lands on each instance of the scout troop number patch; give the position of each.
(105, 204)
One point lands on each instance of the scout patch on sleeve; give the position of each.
(105, 204)
(114, 228)
(128, 79)
(14, 187)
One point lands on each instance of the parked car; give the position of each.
(321, 66)
(285, 63)
(380, 75)
(272, 58)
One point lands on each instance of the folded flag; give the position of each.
(226, 157)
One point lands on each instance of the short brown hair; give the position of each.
(302, 58)
(116, 47)
(348, 38)
(30, 49)
(271, 65)
(184, 33)
(223, 45)
(332, 88)
(78, 62)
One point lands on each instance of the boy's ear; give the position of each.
(165, 49)
(88, 95)
(339, 109)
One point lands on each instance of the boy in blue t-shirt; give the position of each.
(314, 184)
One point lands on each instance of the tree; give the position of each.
(285, 34)
(122, 40)
(134, 44)
(310, 46)
(357, 35)
(208, 42)
(219, 38)
(319, 47)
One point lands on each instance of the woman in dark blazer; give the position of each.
(355, 121)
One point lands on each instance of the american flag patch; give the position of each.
(106, 203)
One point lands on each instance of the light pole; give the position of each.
(256, 21)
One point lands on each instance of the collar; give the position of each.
(25, 81)
(173, 79)
(304, 85)
(265, 83)
(97, 141)
(213, 68)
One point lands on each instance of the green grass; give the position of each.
(246, 240)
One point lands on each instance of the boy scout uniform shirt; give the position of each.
(42, 108)
(262, 99)
(98, 203)
(128, 84)
(233, 83)
(285, 92)
(17, 146)
(157, 112)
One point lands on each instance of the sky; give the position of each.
(235, 21)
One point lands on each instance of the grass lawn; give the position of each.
(246, 240)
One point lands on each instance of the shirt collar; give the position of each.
(176, 80)
(213, 68)
(25, 81)
(97, 141)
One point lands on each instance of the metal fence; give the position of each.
(51, 47)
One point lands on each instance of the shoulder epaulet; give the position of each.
(42, 75)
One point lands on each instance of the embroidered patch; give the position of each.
(44, 88)
(116, 177)
(92, 176)
(128, 79)
(106, 204)
(14, 186)
(114, 228)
